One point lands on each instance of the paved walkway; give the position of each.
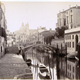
(12, 65)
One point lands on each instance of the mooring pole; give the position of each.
(66, 59)
(57, 63)
(61, 56)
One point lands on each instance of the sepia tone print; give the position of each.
(39, 40)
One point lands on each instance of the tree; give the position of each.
(48, 36)
(60, 31)
(48, 39)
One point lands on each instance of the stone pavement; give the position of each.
(12, 65)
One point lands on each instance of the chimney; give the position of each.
(59, 11)
(69, 6)
(76, 6)
(40, 27)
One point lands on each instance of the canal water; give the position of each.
(68, 68)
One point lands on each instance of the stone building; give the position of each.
(3, 28)
(61, 19)
(71, 38)
(22, 34)
(73, 33)
(71, 19)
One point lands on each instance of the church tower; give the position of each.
(27, 28)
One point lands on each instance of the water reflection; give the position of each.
(69, 68)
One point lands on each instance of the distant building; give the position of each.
(22, 34)
(10, 39)
(41, 29)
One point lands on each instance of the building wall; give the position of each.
(71, 17)
(59, 42)
(60, 19)
(3, 28)
(2, 46)
(74, 14)
(70, 66)
(71, 69)
(70, 39)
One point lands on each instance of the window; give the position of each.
(64, 22)
(73, 76)
(72, 36)
(70, 75)
(67, 19)
(70, 44)
(73, 69)
(70, 67)
(67, 73)
(73, 44)
(71, 18)
(71, 26)
(60, 22)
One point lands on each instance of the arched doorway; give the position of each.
(76, 41)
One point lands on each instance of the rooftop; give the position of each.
(74, 7)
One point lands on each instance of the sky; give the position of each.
(35, 13)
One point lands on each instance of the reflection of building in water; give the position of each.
(71, 19)
(70, 68)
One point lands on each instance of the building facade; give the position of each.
(3, 28)
(70, 18)
(58, 42)
(61, 19)
(73, 33)
(22, 34)
(68, 69)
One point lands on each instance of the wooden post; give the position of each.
(57, 63)
(66, 59)
(79, 54)
(61, 57)
(53, 67)
(48, 61)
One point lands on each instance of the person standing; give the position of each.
(20, 50)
